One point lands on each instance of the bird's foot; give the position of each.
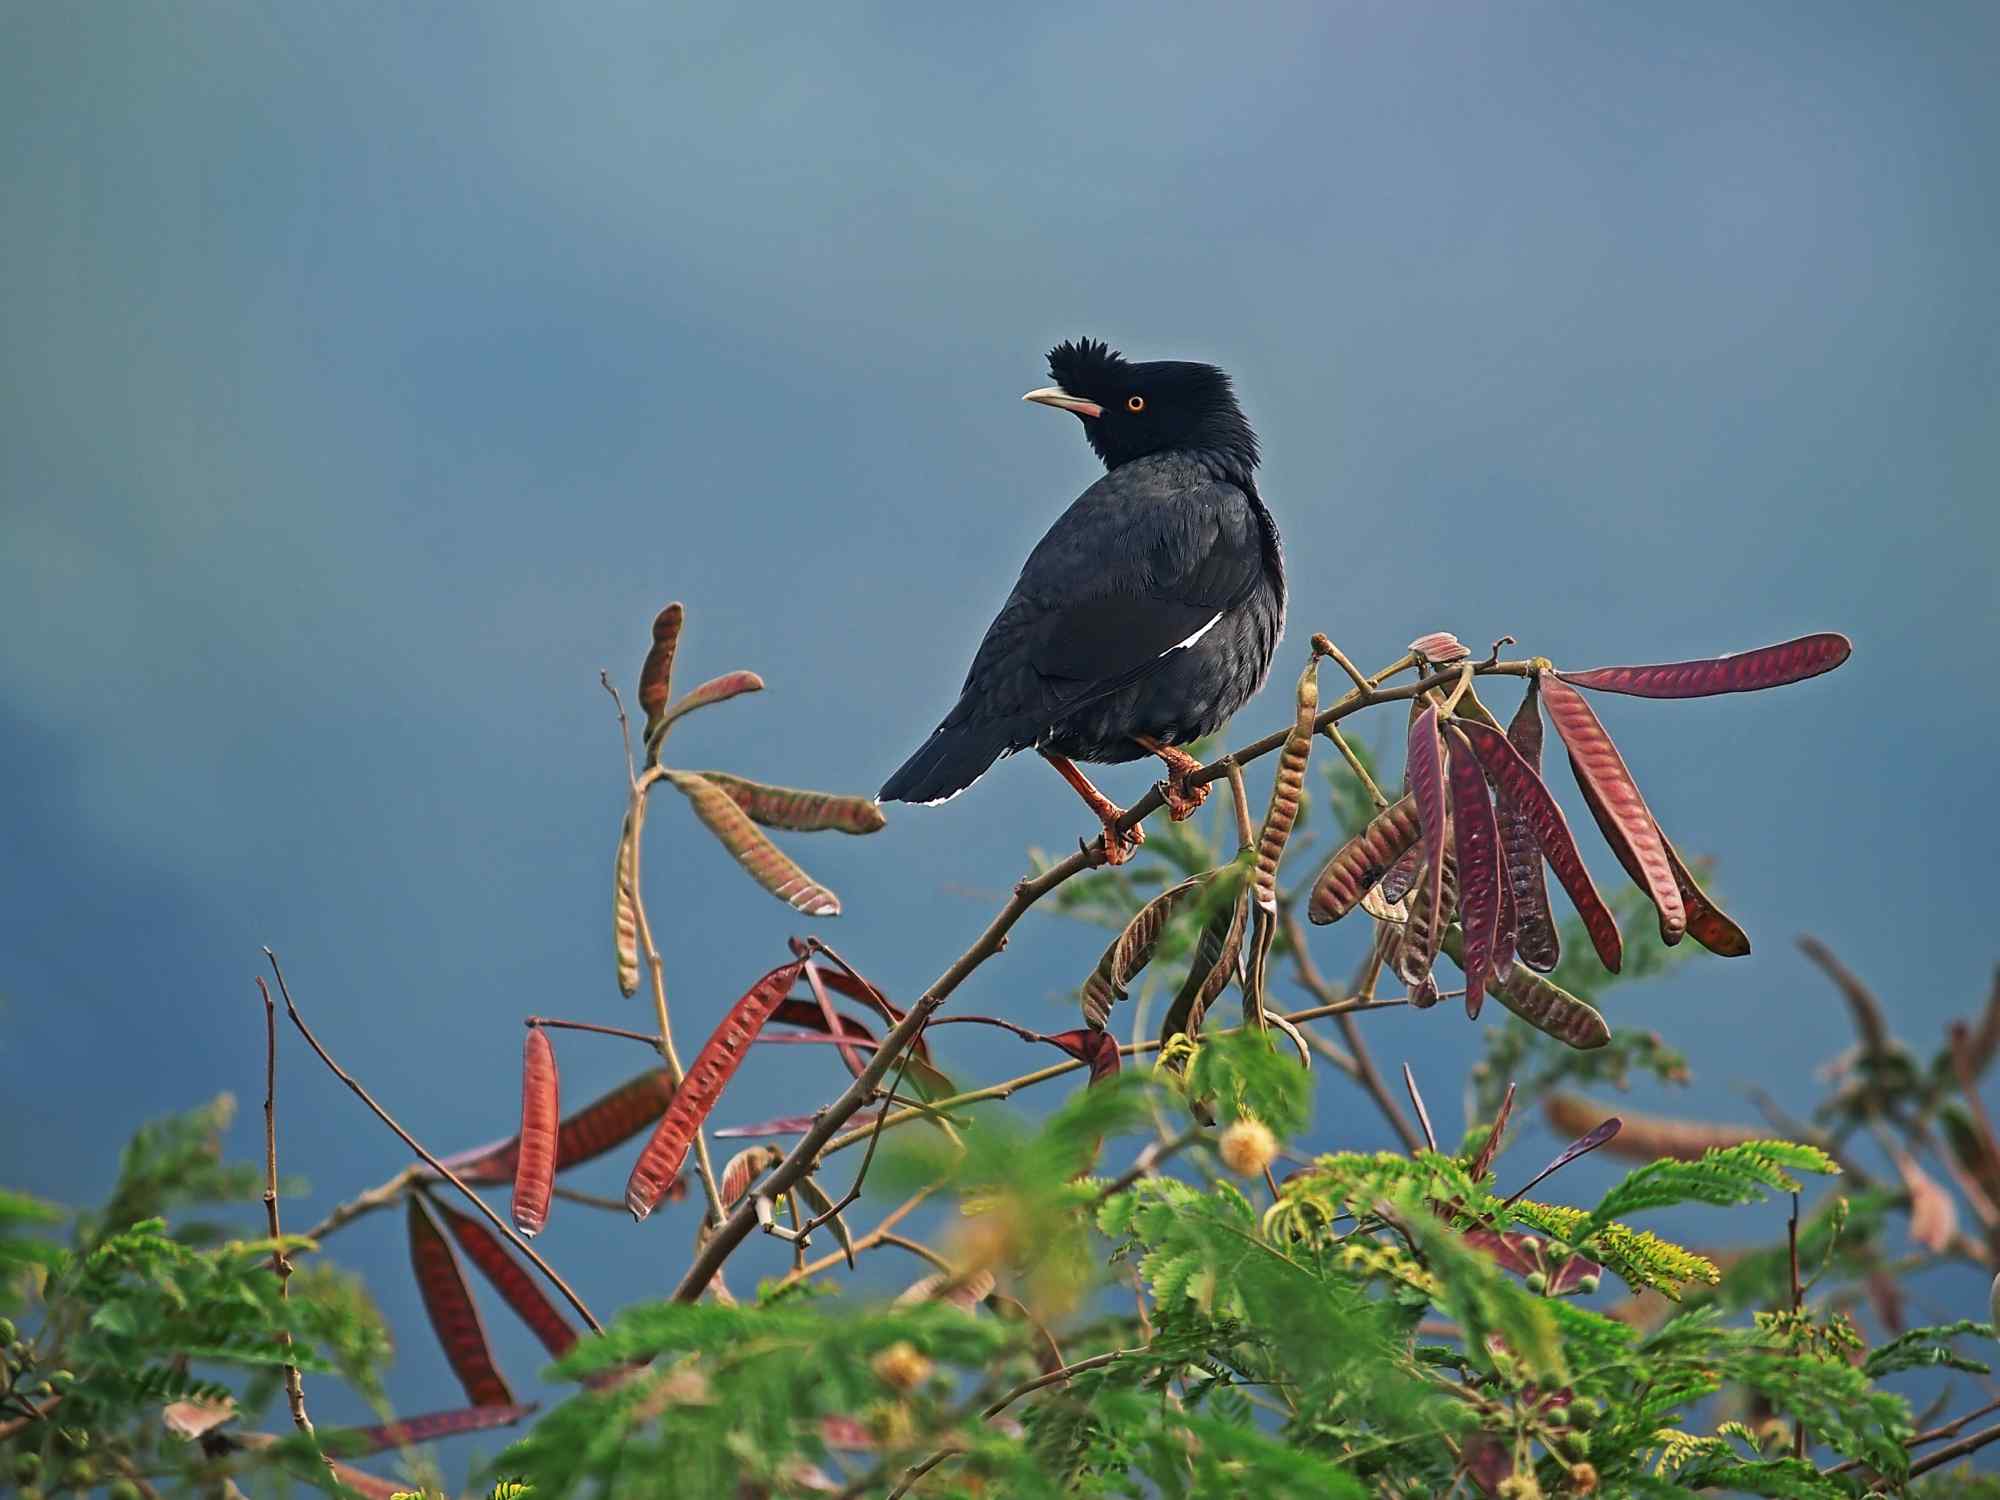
(1182, 798)
(1118, 847)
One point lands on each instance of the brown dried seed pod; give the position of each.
(1363, 861)
(656, 677)
(1425, 768)
(743, 1168)
(766, 863)
(1213, 962)
(511, 1280)
(625, 912)
(1132, 949)
(715, 690)
(1621, 811)
(1287, 789)
(541, 1113)
(800, 811)
(1536, 942)
(1545, 1006)
(454, 1318)
(1645, 1137)
(720, 1056)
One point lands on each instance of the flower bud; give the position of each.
(1247, 1147)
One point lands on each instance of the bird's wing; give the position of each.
(1145, 561)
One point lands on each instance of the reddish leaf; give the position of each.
(1364, 860)
(1522, 1254)
(1484, 1160)
(1614, 799)
(1569, 1153)
(1535, 941)
(1518, 781)
(1091, 1045)
(535, 1157)
(1477, 838)
(1741, 672)
(715, 690)
(656, 677)
(1426, 773)
(358, 1442)
(763, 860)
(511, 1280)
(718, 1060)
(590, 1132)
(453, 1316)
(803, 812)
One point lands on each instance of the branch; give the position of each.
(506, 1230)
(388, 1194)
(281, 1263)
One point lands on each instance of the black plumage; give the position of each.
(1149, 612)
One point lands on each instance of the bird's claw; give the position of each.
(1119, 848)
(1182, 800)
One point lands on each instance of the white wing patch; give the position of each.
(1183, 645)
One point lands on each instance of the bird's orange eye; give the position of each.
(1135, 403)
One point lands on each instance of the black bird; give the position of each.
(1147, 615)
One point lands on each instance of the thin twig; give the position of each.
(1957, 1450)
(1948, 1429)
(554, 1024)
(1798, 1301)
(281, 1263)
(880, 1235)
(387, 1195)
(354, 1084)
(1240, 798)
(1355, 764)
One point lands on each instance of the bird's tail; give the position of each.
(948, 762)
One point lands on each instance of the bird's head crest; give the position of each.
(1130, 408)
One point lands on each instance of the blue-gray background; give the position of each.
(371, 377)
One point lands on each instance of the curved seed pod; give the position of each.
(1209, 969)
(1708, 924)
(454, 1319)
(1614, 796)
(625, 911)
(1739, 672)
(1477, 851)
(1424, 933)
(1263, 931)
(713, 1067)
(359, 1442)
(1090, 1045)
(535, 1164)
(1288, 789)
(1132, 949)
(1426, 773)
(743, 1169)
(1547, 1007)
(1364, 860)
(1517, 780)
(1535, 939)
(1297, 1038)
(1402, 876)
(800, 811)
(590, 1132)
(511, 1280)
(766, 863)
(656, 677)
(963, 1292)
(715, 690)
(815, 1195)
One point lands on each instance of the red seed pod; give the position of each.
(511, 1280)
(1536, 942)
(720, 1056)
(715, 690)
(590, 1132)
(1503, 936)
(453, 1316)
(1477, 851)
(1402, 875)
(1439, 648)
(800, 811)
(541, 1112)
(1542, 1004)
(743, 1168)
(1525, 790)
(656, 677)
(1426, 773)
(1621, 812)
(359, 1442)
(1708, 924)
(1741, 672)
(1363, 861)
(1423, 933)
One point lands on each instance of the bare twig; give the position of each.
(385, 1196)
(554, 1024)
(506, 1230)
(281, 1263)
(1957, 1450)
(1239, 798)
(1798, 1301)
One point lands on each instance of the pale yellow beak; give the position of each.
(1062, 400)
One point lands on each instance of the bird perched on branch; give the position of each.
(1147, 615)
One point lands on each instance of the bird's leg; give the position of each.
(1183, 801)
(1117, 847)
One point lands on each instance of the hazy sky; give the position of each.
(371, 375)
